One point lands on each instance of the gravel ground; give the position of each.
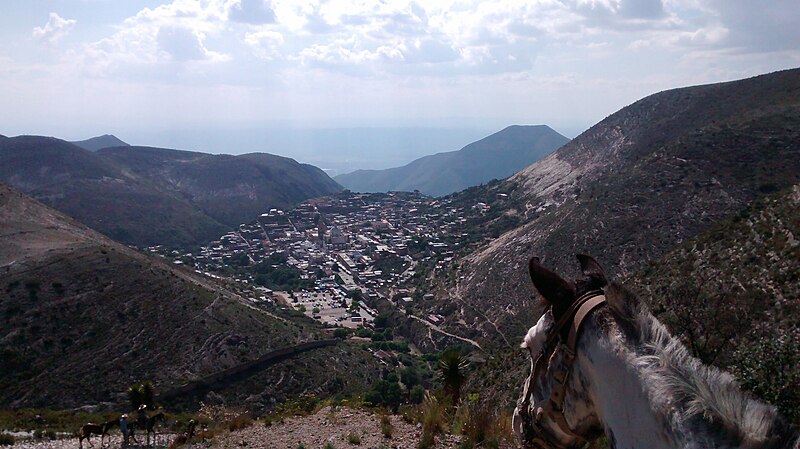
(115, 442)
(328, 426)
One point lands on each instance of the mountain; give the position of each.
(147, 196)
(84, 317)
(230, 189)
(96, 143)
(494, 157)
(629, 189)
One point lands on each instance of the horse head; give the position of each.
(554, 410)
(601, 363)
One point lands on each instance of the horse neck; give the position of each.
(635, 410)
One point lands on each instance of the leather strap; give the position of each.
(585, 310)
(575, 315)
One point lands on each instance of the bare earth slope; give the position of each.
(83, 317)
(631, 188)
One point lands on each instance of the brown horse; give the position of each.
(150, 427)
(89, 429)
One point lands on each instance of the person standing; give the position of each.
(141, 418)
(123, 427)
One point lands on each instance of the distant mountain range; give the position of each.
(99, 142)
(147, 196)
(85, 317)
(494, 157)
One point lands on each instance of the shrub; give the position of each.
(354, 438)
(386, 426)
(417, 394)
(240, 422)
(141, 393)
(6, 440)
(433, 420)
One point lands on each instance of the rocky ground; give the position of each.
(330, 427)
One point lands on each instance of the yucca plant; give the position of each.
(453, 373)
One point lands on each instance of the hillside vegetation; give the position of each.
(83, 317)
(147, 196)
(628, 190)
(494, 157)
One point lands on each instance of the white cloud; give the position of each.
(173, 32)
(265, 44)
(254, 12)
(54, 30)
(184, 44)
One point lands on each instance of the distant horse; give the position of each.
(150, 427)
(601, 363)
(89, 429)
(180, 440)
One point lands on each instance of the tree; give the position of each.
(410, 377)
(453, 373)
(416, 395)
(381, 321)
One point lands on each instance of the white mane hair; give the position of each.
(680, 383)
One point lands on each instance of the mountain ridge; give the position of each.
(496, 156)
(147, 196)
(630, 188)
(99, 142)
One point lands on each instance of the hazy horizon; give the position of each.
(211, 75)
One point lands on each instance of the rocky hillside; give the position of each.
(628, 190)
(83, 317)
(494, 157)
(146, 196)
(732, 294)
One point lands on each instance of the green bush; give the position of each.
(417, 394)
(354, 438)
(6, 440)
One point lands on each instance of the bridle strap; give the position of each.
(575, 315)
(584, 310)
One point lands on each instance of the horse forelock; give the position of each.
(679, 381)
(536, 336)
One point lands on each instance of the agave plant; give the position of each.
(453, 373)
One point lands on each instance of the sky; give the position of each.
(230, 75)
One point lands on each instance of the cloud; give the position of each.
(182, 44)
(253, 12)
(755, 26)
(173, 32)
(264, 44)
(54, 30)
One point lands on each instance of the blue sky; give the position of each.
(77, 68)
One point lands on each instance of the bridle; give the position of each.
(535, 436)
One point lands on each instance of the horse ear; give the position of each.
(554, 289)
(592, 270)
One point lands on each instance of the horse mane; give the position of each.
(682, 383)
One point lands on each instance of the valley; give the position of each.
(383, 288)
